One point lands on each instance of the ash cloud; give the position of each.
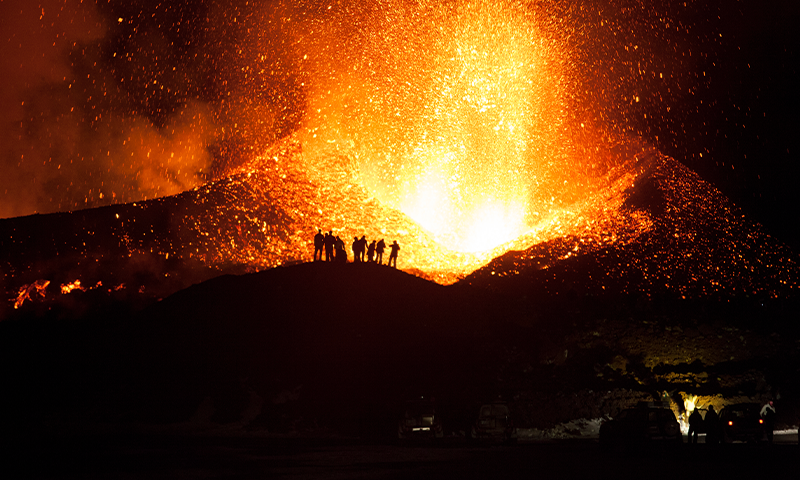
(121, 101)
(69, 138)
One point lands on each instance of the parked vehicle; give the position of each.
(742, 422)
(494, 423)
(646, 424)
(419, 421)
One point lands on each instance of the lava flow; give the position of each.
(271, 210)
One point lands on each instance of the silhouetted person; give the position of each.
(695, 425)
(379, 248)
(362, 247)
(768, 414)
(371, 252)
(319, 243)
(393, 255)
(355, 245)
(329, 242)
(341, 254)
(712, 426)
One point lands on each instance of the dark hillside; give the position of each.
(336, 339)
(323, 348)
(328, 341)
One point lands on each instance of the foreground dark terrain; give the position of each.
(295, 458)
(328, 349)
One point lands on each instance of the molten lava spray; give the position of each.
(455, 112)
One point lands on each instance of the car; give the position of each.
(420, 421)
(647, 423)
(742, 422)
(494, 423)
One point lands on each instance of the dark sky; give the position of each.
(114, 101)
(745, 116)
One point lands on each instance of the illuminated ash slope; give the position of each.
(696, 244)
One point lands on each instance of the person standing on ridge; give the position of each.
(329, 242)
(379, 248)
(355, 245)
(362, 247)
(341, 254)
(319, 243)
(393, 255)
(371, 252)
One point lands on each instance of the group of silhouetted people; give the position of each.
(363, 250)
(709, 424)
(333, 247)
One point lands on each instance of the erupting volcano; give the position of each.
(463, 130)
(571, 184)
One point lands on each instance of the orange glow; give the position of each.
(242, 228)
(447, 127)
(470, 132)
(451, 128)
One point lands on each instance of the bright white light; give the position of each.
(492, 225)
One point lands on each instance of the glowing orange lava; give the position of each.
(68, 287)
(499, 137)
(446, 127)
(38, 287)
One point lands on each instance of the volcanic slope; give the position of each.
(698, 244)
(320, 344)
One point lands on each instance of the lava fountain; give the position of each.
(456, 113)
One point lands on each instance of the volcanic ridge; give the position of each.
(674, 295)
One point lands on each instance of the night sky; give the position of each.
(98, 97)
(744, 116)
